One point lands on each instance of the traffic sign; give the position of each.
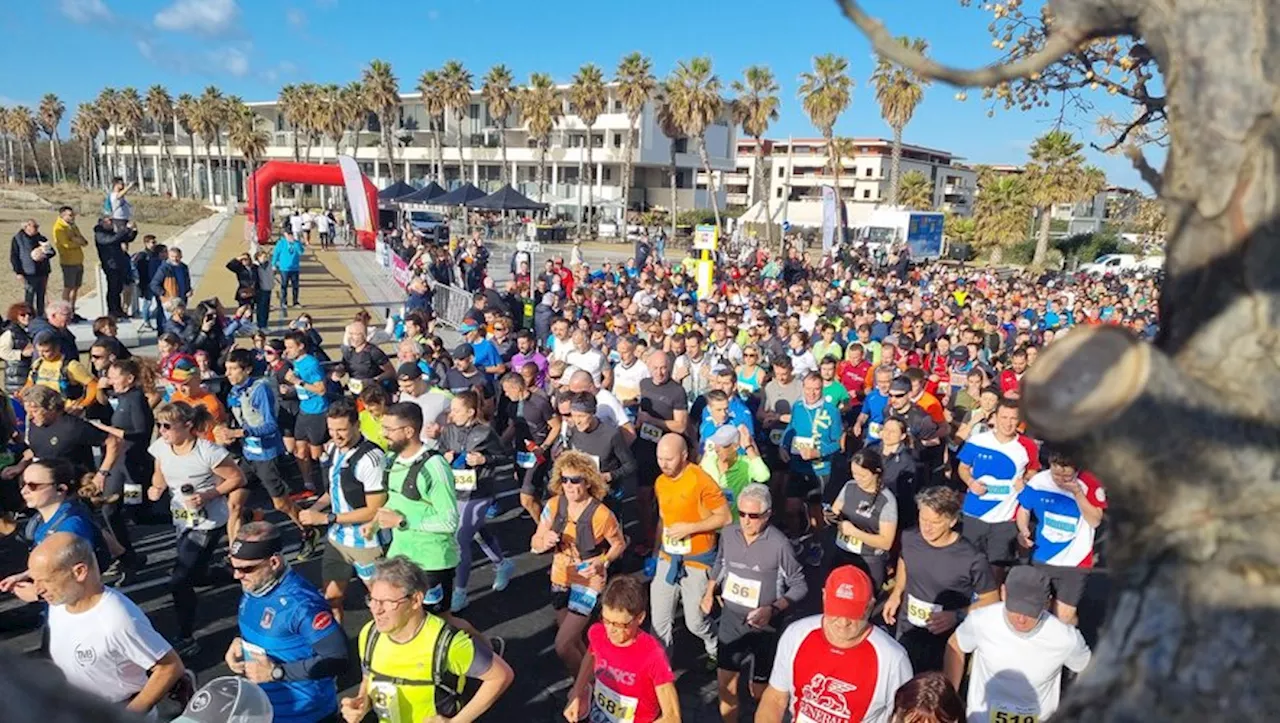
(531, 247)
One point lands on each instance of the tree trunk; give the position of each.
(835, 170)
(35, 161)
(208, 170)
(502, 143)
(1042, 237)
(542, 170)
(22, 162)
(671, 176)
(462, 167)
(137, 163)
(711, 178)
(761, 191)
(626, 173)
(895, 165)
(591, 167)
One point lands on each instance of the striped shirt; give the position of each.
(369, 474)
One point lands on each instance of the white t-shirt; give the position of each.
(609, 409)
(307, 219)
(626, 380)
(295, 223)
(561, 349)
(1015, 673)
(322, 223)
(108, 649)
(590, 361)
(196, 469)
(121, 209)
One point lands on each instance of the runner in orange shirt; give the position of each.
(188, 388)
(926, 401)
(692, 509)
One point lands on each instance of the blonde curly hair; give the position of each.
(577, 464)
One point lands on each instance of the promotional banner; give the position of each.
(829, 218)
(400, 271)
(705, 237)
(358, 199)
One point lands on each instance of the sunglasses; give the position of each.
(167, 425)
(897, 395)
(573, 480)
(36, 485)
(245, 569)
(753, 515)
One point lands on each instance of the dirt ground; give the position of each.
(11, 221)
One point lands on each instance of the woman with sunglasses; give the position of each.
(901, 471)
(199, 476)
(865, 515)
(475, 452)
(16, 347)
(585, 538)
(287, 403)
(751, 376)
(625, 675)
(49, 487)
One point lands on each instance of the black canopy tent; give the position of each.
(427, 194)
(508, 199)
(463, 195)
(395, 191)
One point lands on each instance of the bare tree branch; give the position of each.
(1144, 169)
(1057, 45)
(1146, 117)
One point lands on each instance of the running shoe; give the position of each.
(186, 647)
(712, 663)
(502, 575)
(812, 553)
(310, 544)
(492, 511)
(459, 602)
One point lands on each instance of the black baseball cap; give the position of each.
(463, 351)
(408, 371)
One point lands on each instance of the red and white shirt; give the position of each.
(827, 684)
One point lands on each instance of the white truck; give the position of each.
(921, 231)
(1115, 263)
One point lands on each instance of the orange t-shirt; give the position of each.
(930, 404)
(564, 564)
(209, 401)
(691, 497)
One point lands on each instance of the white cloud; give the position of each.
(232, 60)
(205, 16)
(145, 50)
(84, 11)
(295, 17)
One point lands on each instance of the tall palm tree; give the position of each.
(455, 94)
(243, 133)
(694, 94)
(915, 192)
(333, 117)
(159, 106)
(8, 144)
(636, 85)
(898, 91)
(589, 97)
(49, 116)
(960, 230)
(840, 150)
(499, 94)
(1000, 212)
(131, 115)
(290, 103)
(825, 93)
(665, 114)
(1057, 174)
(355, 111)
(213, 112)
(754, 108)
(429, 87)
(229, 108)
(22, 126)
(204, 121)
(108, 102)
(84, 128)
(184, 109)
(312, 116)
(382, 96)
(540, 109)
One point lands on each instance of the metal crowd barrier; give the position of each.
(451, 304)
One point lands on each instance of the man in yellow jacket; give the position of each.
(70, 244)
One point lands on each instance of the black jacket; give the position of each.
(111, 245)
(20, 254)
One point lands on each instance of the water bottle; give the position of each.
(188, 491)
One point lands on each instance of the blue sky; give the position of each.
(252, 48)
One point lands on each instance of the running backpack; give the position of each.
(448, 692)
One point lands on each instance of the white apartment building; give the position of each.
(480, 158)
(798, 168)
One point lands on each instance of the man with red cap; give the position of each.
(836, 667)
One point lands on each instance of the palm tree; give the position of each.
(915, 192)
(333, 117)
(159, 105)
(22, 126)
(290, 104)
(311, 115)
(670, 125)
(48, 118)
(754, 109)
(825, 94)
(898, 91)
(213, 113)
(499, 94)
(204, 121)
(382, 96)
(429, 86)
(131, 114)
(1057, 174)
(355, 112)
(84, 128)
(455, 94)
(589, 98)
(636, 85)
(244, 134)
(960, 230)
(108, 102)
(694, 92)
(8, 144)
(540, 109)
(229, 107)
(1000, 212)
(840, 150)
(184, 109)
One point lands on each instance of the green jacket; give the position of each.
(430, 511)
(746, 470)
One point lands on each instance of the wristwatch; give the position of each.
(277, 673)
(331, 518)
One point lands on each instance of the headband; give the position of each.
(257, 549)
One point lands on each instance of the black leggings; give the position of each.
(191, 568)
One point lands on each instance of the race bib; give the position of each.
(848, 543)
(526, 460)
(464, 480)
(742, 591)
(582, 600)
(184, 517)
(610, 706)
(385, 699)
(1000, 714)
(252, 652)
(1058, 528)
(873, 430)
(802, 443)
(673, 546)
(355, 385)
(919, 611)
(252, 445)
(650, 432)
(996, 489)
(775, 437)
(132, 493)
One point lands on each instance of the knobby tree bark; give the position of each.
(1185, 432)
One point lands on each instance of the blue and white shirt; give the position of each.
(369, 474)
(309, 372)
(1063, 537)
(999, 466)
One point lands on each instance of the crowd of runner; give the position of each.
(832, 435)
